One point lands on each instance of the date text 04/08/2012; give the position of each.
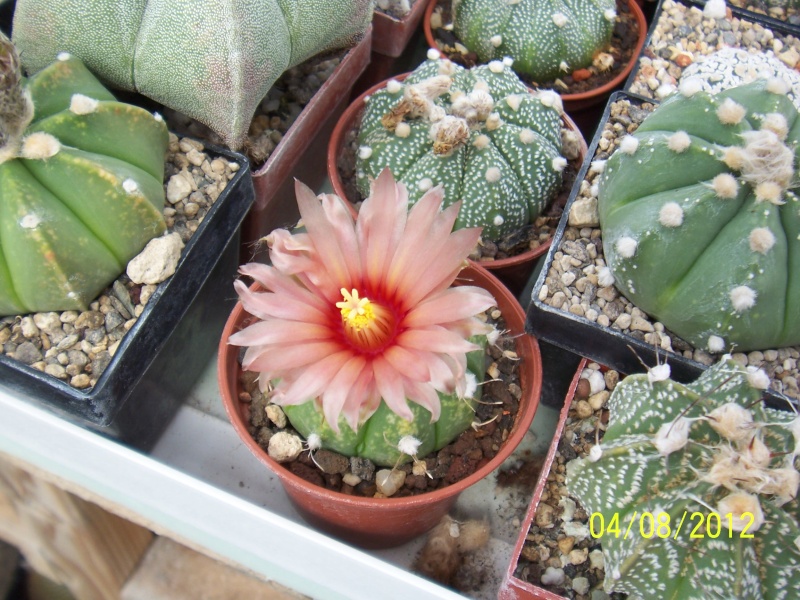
(698, 525)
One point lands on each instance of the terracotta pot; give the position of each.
(385, 522)
(514, 271)
(584, 100)
(390, 36)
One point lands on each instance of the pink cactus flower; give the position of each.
(359, 310)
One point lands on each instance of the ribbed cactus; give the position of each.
(81, 185)
(701, 481)
(546, 39)
(478, 132)
(213, 60)
(700, 217)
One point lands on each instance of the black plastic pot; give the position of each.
(171, 343)
(608, 346)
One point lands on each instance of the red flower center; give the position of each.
(368, 326)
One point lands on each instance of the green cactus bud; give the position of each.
(213, 60)
(379, 436)
(701, 220)
(545, 39)
(81, 189)
(706, 476)
(478, 132)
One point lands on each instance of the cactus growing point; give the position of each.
(81, 185)
(701, 220)
(716, 470)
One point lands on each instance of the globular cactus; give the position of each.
(213, 60)
(81, 185)
(700, 217)
(697, 488)
(479, 132)
(546, 40)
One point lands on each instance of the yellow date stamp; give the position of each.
(697, 525)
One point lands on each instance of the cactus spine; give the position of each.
(478, 132)
(697, 450)
(546, 40)
(701, 220)
(81, 185)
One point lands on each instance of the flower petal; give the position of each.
(275, 331)
(364, 400)
(410, 364)
(390, 386)
(339, 389)
(452, 304)
(275, 359)
(424, 395)
(267, 305)
(272, 279)
(435, 339)
(313, 380)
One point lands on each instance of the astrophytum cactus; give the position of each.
(700, 217)
(478, 132)
(81, 185)
(213, 60)
(546, 40)
(694, 488)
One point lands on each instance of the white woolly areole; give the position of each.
(492, 337)
(158, 117)
(564, 66)
(39, 146)
(672, 436)
(496, 66)
(742, 298)
(498, 220)
(493, 121)
(481, 141)
(409, 445)
(403, 130)
(757, 378)
(425, 184)
(715, 9)
(508, 61)
(769, 191)
(659, 373)
(595, 453)
(560, 19)
(62, 56)
(527, 136)
(597, 166)
(715, 344)
(690, 86)
(82, 105)
(679, 141)
(605, 278)
(671, 215)
(610, 14)
(471, 385)
(736, 504)
(364, 152)
(492, 174)
(732, 421)
(513, 101)
(731, 112)
(777, 124)
(393, 86)
(496, 40)
(734, 157)
(626, 246)
(777, 85)
(130, 186)
(551, 99)
(629, 144)
(314, 441)
(30, 221)
(433, 54)
(559, 164)
(761, 240)
(725, 186)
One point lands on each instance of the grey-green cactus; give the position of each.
(213, 60)
(546, 40)
(697, 488)
(478, 132)
(81, 185)
(701, 220)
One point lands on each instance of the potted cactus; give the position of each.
(583, 50)
(503, 151)
(710, 480)
(362, 342)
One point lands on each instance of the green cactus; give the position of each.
(695, 458)
(373, 440)
(478, 132)
(81, 185)
(546, 40)
(213, 60)
(701, 220)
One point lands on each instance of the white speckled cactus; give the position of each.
(477, 132)
(701, 220)
(545, 39)
(213, 60)
(691, 452)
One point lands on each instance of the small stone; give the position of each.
(27, 353)
(641, 324)
(80, 381)
(331, 462)
(553, 576)
(596, 401)
(389, 481)
(584, 213)
(351, 479)
(284, 447)
(581, 74)
(178, 187)
(578, 556)
(580, 585)
(362, 468)
(565, 545)
(583, 410)
(157, 261)
(276, 415)
(544, 516)
(596, 559)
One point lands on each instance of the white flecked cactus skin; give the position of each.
(709, 447)
(477, 132)
(701, 218)
(213, 60)
(546, 39)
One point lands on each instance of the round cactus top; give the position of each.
(477, 132)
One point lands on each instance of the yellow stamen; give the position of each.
(368, 325)
(356, 312)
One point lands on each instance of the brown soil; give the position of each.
(459, 459)
(623, 42)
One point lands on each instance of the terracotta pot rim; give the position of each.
(351, 114)
(580, 97)
(227, 368)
